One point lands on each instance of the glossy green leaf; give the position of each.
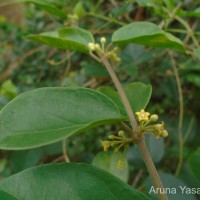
(47, 115)
(138, 94)
(194, 164)
(45, 5)
(189, 66)
(193, 78)
(75, 39)
(108, 161)
(6, 196)
(68, 181)
(194, 13)
(156, 4)
(79, 10)
(48, 7)
(8, 89)
(197, 53)
(93, 68)
(148, 34)
(20, 160)
(112, 94)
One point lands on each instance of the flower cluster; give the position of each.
(100, 50)
(118, 142)
(72, 21)
(145, 124)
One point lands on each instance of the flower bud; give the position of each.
(105, 145)
(121, 164)
(121, 133)
(158, 127)
(97, 47)
(91, 46)
(103, 40)
(116, 49)
(111, 137)
(164, 133)
(154, 118)
(112, 144)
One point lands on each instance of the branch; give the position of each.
(181, 110)
(8, 71)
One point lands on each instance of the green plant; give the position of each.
(46, 115)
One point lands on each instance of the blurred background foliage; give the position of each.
(25, 65)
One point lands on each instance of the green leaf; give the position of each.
(112, 94)
(93, 68)
(197, 53)
(148, 34)
(20, 160)
(47, 115)
(108, 161)
(6, 196)
(156, 4)
(138, 95)
(194, 13)
(68, 181)
(8, 89)
(75, 39)
(79, 10)
(48, 7)
(194, 164)
(193, 78)
(45, 5)
(187, 176)
(156, 148)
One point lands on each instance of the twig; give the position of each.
(114, 3)
(126, 128)
(112, 20)
(171, 14)
(183, 22)
(90, 82)
(60, 158)
(66, 158)
(137, 178)
(7, 72)
(190, 31)
(181, 110)
(122, 94)
(193, 27)
(68, 66)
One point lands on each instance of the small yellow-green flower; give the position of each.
(121, 164)
(91, 46)
(164, 133)
(143, 116)
(103, 40)
(105, 145)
